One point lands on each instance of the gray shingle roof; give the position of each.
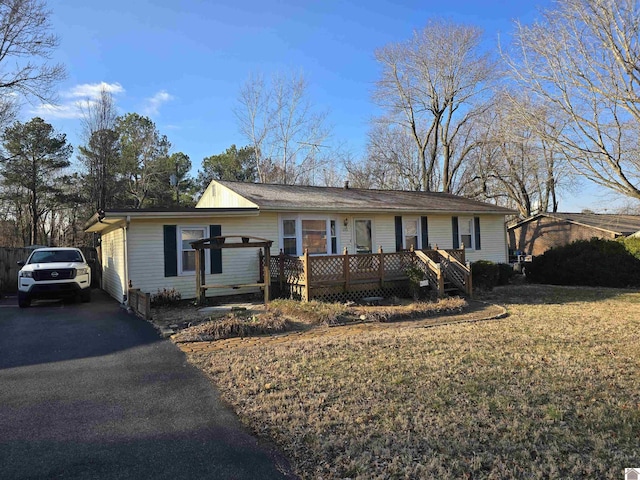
(620, 224)
(305, 198)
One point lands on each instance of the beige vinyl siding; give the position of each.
(217, 195)
(113, 263)
(493, 240)
(492, 230)
(239, 265)
(146, 248)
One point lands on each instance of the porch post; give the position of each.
(345, 269)
(381, 266)
(463, 261)
(267, 274)
(307, 275)
(281, 269)
(198, 278)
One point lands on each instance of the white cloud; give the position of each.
(153, 104)
(68, 110)
(79, 98)
(92, 90)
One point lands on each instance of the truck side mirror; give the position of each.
(21, 263)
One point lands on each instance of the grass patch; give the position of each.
(550, 392)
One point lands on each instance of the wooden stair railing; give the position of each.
(432, 270)
(456, 272)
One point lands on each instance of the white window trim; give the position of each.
(207, 263)
(299, 218)
(472, 229)
(405, 221)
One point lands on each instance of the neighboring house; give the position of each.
(150, 249)
(537, 234)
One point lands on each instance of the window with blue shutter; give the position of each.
(216, 254)
(424, 228)
(398, 224)
(455, 234)
(170, 251)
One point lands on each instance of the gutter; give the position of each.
(396, 211)
(125, 231)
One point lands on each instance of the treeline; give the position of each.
(516, 124)
(46, 199)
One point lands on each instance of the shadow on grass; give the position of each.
(537, 294)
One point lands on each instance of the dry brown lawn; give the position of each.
(550, 392)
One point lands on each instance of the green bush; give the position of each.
(595, 262)
(485, 275)
(632, 244)
(505, 273)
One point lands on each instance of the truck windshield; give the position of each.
(51, 256)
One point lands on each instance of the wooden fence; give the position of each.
(9, 258)
(140, 302)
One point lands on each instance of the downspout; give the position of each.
(126, 260)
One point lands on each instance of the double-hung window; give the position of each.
(411, 234)
(465, 224)
(186, 253)
(466, 232)
(289, 237)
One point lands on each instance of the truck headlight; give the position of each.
(82, 271)
(26, 274)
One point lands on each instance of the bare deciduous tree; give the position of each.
(583, 61)
(433, 86)
(283, 128)
(26, 43)
(100, 152)
(514, 164)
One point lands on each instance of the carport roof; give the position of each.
(104, 219)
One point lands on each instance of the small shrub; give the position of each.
(415, 275)
(485, 275)
(165, 297)
(505, 273)
(595, 262)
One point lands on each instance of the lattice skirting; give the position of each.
(398, 288)
(288, 290)
(358, 292)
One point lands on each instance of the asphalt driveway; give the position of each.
(89, 391)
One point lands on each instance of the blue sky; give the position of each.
(183, 62)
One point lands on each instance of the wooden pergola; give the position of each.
(220, 243)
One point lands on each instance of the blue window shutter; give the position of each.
(170, 251)
(398, 222)
(454, 229)
(424, 226)
(476, 229)
(216, 253)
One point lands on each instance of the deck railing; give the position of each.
(352, 271)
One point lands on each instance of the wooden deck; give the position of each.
(354, 276)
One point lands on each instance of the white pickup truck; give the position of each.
(54, 272)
